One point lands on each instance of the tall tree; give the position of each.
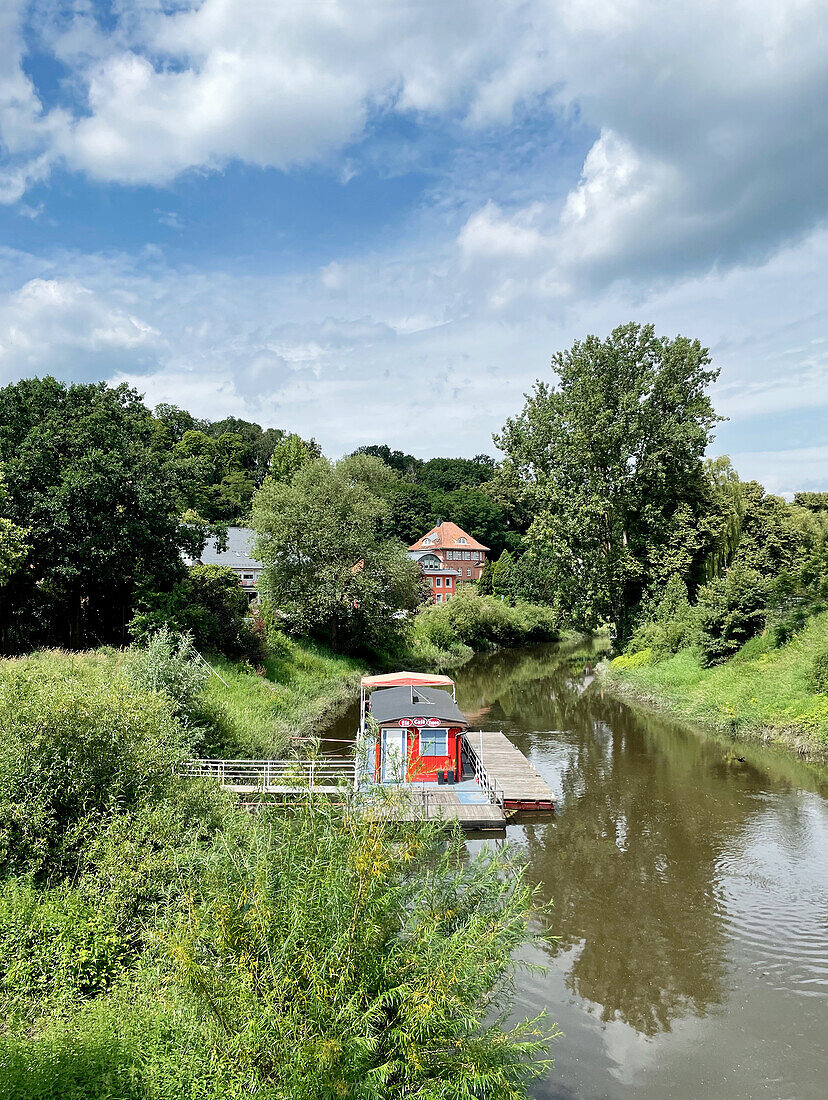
(614, 451)
(328, 569)
(13, 544)
(289, 455)
(98, 496)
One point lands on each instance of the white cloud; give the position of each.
(55, 324)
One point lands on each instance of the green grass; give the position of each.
(258, 711)
(255, 715)
(761, 693)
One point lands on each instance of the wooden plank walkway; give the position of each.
(523, 788)
(440, 804)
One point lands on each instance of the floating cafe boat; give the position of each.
(414, 757)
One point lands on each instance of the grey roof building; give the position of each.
(237, 556)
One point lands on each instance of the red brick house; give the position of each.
(448, 557)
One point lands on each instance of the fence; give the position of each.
(487, 782)
(280, 775)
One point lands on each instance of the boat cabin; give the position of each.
(412, 728)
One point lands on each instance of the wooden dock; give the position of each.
(521, 787)
(440, 804)
(504, 783)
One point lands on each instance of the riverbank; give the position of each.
(762, 694)
(242, 711)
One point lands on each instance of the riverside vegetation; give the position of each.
(155, 943)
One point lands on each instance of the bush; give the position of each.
(640, 659)
(483, 622)
(210, 605)
(731, 610)
(819, 672)
(672, 625)
(80, 744)
(55, 943)
(169, 663)
(327, 954)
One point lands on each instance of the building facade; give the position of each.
(448, 557)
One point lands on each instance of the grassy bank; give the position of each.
(248, 712)
(256, 711)
(762, 693)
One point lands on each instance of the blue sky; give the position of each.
(377, 222)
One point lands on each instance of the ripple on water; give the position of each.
(773, 897)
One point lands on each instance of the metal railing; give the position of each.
(289, 774)
(488, 783)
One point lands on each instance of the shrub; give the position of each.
(80, 743)
(819, 672)
(329, 954)
(483, 622)
(730, 609)
(169, 663)
(210, 605)
(55, 942)
(639, 659)
(672, 624)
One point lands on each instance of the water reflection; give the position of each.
(689, 879)
(648, 813)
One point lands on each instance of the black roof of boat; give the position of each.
(391, 704)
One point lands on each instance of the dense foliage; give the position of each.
(97, 497)
(613, 454)
(470, 622)
(329, 568)
(207, 603)
(80, 744)
(156, 943)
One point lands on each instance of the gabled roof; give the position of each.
(237, 555)
(446, 536)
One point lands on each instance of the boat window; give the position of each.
(433, 742)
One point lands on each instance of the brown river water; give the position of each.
(689, 891)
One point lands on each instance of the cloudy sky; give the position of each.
(371, 220)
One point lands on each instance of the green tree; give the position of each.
(480, 515)
(100, 502)
(447, 474)
(328, 568)
(503, 575)
(615, 454)
(207, 603)
(290, 455)
(13, 544)
(730, 610)
(484, 585)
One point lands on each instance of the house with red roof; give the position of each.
(448, 556)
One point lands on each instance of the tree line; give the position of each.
(603, 501)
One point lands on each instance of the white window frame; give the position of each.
(448, 582)
(438, 581)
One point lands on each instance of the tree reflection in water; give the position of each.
(630, 859)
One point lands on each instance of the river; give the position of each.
(689, 891)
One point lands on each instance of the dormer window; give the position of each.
(462, 542)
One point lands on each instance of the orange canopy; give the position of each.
(407, 679)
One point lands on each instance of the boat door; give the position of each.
(393, 755)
